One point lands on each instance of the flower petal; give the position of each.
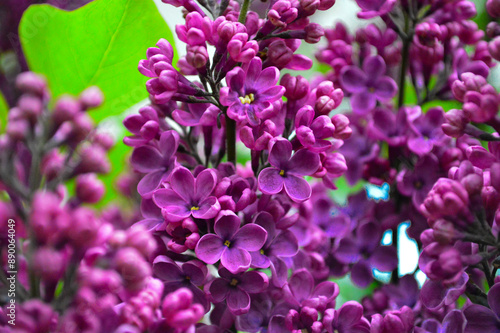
(169, 142)
(494, 299)
(205, 183)
(219, 290)
(238, 301)
(209, 248)
(146, 159)
(385, 88)
(254, 282)
(236, 260)
(303, 163)
(384, 258)
(353, 79)
(165, 197)
(227, 224)
(250, 237)
(149, 183)
(270, 181)
(280, 153)
(285, 244)
(208, 209)
(182, 182)
(297, 188)
(301, 284)
(167, 270)
(374, 67)
(363, 103)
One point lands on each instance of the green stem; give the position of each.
(244, 11)
(231, 140)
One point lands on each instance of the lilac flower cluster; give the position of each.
(256, 247)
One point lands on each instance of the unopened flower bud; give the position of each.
(91, 97)
(89, 188)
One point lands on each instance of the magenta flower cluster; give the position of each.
(211, 244)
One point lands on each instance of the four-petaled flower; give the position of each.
(235, 289)
(230, 243)
(188, 196)
(250, 92)
(287, 171)
(156, 162)
(368, 85)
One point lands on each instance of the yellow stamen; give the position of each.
(371, 89)
(262, 251)
(188, 278)
(227, 243)
(282, 172)
(248, 99)
(195, 208)
(234, 282)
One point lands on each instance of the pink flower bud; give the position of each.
(89, 188)
(66, 109)
(91, 97)
(297, 87)
(49, 264)
(197, 56)
(30, 82)
(494, 48)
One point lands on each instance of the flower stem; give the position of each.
(231, 140)
(243, 11)
(231, 124)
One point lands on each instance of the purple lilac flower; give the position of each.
(188, 196)
(302, 292)
(368, 85)
(286, 171)
(156, 162)
(374, 8)
(418, 182)
(190, 275)
(435, 294)
(388, 127)
(401, 321)
(230, 243)
(480, 319)
(235, 289)
(365, 252)
(453, 322)
(427, 131)
(250, 92)
(349, 318)
(278, 244)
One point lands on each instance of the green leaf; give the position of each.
(4, 110)
(98, 44)
(350, 292)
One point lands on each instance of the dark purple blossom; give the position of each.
(230, 243)
(188, 196)
(368, 85)
(156, 162)
(250, 92)
(480, 319)
(287, 171)
(235, 289)
(374, 8)
(190, 275)
(366, 253)
(348, 319)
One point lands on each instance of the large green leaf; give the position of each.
(99, 44)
